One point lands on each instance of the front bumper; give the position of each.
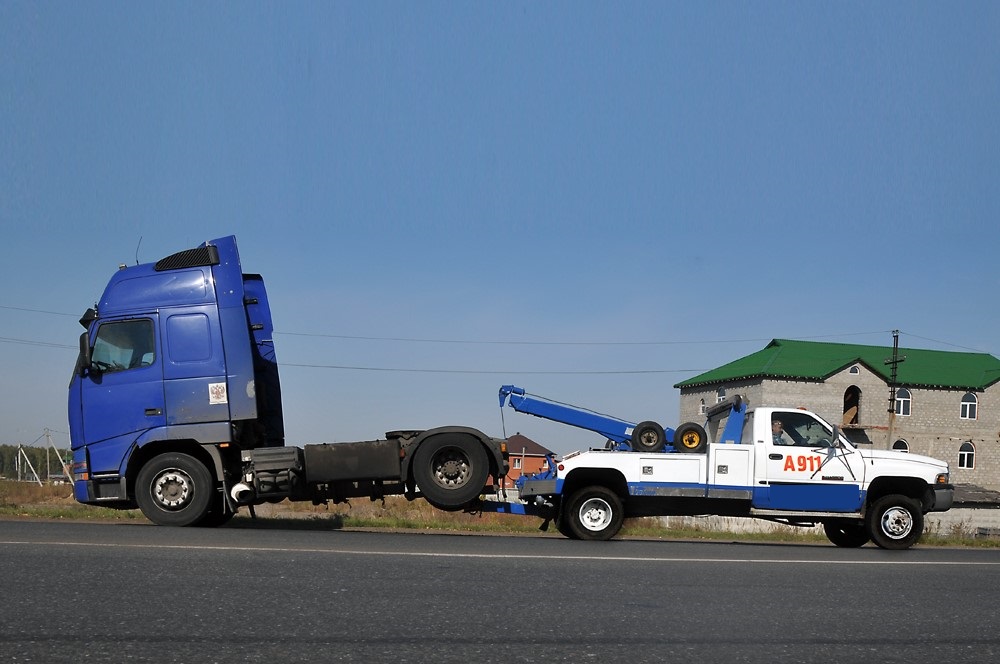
(944, 496)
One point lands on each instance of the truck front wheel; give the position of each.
(450, 470)
(895, 522)
(595, 513)
(174, 490)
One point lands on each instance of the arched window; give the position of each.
(720, 395)
(852, 404)
(855, 370)
(702, 409)
(903, 402)
(967, 455)
(901, 446)
(970, 406)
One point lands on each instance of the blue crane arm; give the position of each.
(612, 428)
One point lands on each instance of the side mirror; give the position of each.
(836, 436)
(83, 361)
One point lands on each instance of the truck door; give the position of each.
(806, 470)
(122, 393)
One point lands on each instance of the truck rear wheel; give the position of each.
(895, 522)
(450, 470)
(595, 513)
(690, 437)
(845, 533)
(174, 490)
(648, 437)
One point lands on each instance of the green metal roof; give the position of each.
(813, 360)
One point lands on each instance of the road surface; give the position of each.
(134, 592)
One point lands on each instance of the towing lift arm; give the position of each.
(614, 429)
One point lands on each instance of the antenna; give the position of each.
(137, 250)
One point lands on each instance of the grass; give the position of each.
(56, 502)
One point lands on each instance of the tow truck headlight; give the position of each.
(942, 478)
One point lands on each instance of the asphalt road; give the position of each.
(134, 593)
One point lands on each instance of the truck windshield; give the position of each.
(124, 345)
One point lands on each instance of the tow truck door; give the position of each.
(808, 470)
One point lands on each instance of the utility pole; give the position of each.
(893, 362)
(62, 462)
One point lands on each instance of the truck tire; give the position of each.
(846, 533)
(690, 437)
(895, 522)
(648, 437)
(174, 490)
(450, 470)
(595, 513)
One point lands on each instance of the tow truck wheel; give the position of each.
(648, 437)
(595, 513)
(895, 522)
(690, 437)
(847, 534)
(174, 490)
(450, 470)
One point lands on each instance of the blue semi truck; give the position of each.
(175, 408)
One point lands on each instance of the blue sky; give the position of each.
(621, 187)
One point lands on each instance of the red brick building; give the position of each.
(526, 457)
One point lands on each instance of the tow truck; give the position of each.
(733, 465)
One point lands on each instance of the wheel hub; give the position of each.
(897, 523)
(451, 470)
(595, 514)
(172, 489)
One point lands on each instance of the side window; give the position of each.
(903, 402)
(791, 428)
(124, 345)
(967, 456)
(720, 395)
(970, 405)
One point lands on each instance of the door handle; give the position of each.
(151, 412)
(775, 457)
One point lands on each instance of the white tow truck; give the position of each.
(779, 464)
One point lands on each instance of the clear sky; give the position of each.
(656, 187)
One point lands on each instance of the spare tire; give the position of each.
(648, 437)
(690, 437)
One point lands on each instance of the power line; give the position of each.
(581, 372)
(515, 342)
(39, 311)
(29, 342)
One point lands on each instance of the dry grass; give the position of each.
(26, 500)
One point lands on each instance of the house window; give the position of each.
(903, 401)
(855, 370)
(702, 408)
(720, 395)
(901, 446)
(969, 406)
(517, 463)
(967, 456)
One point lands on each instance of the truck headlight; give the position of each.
(942, 478)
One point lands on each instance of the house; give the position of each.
(526, 457)
(943, 404)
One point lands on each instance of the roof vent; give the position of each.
(199, 257)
